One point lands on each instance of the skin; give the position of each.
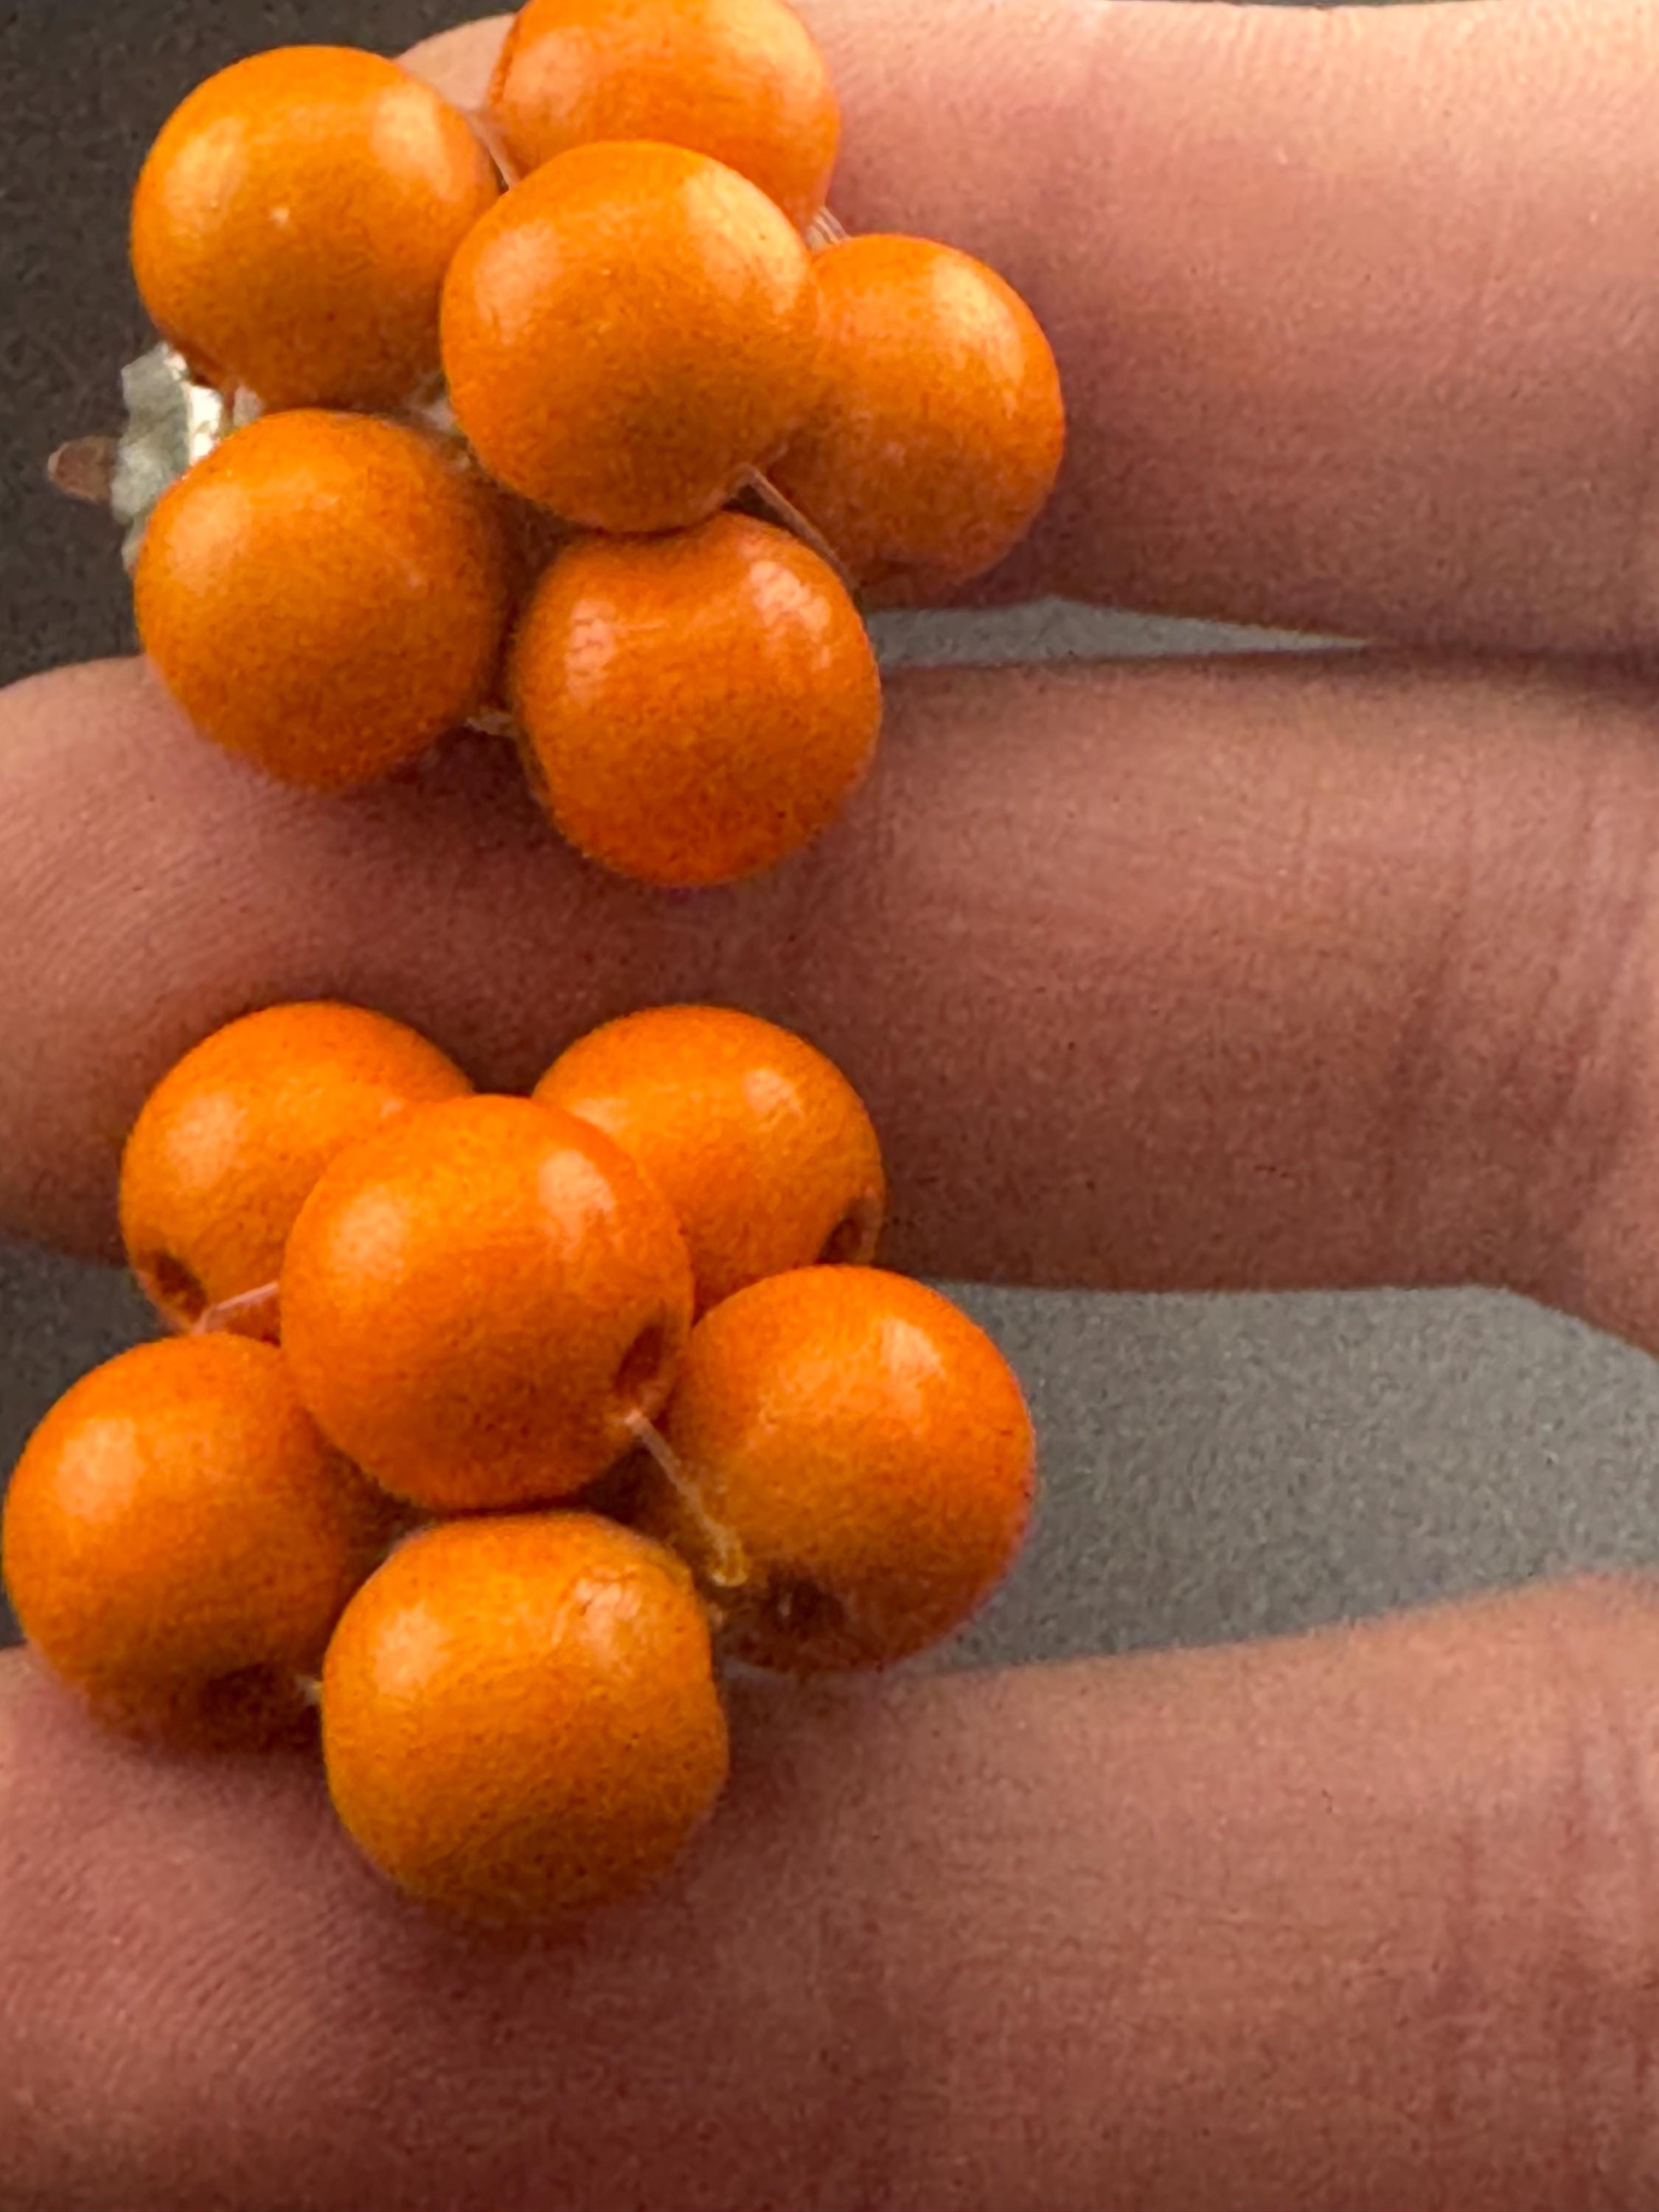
(1366, 994)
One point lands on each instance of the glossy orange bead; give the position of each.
(629, 330)
(941, 429)
(324, 595)
(180, 1541)
(294, 222)
(759, 1143)
(477, 1300)
(866, 1447)
(739, 80)
(694, 708)
(519, 1716)
(226, 1148)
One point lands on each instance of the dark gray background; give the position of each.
(1213, 1466)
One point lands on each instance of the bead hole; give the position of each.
(174, 1288)
(245, 1693)
(247, 1706)
(804, 1609)
(852, 1242)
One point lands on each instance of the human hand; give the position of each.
(1336, 969)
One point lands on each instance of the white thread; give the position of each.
(224, 1311)
(787, 516)
(726, 1567)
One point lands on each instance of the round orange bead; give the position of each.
(324, 595)
(227, 1145)
(739, 80)
(865, 1446)
(519, 1715)
(477, 1301)
(941, 432)
(631, 328)
(760, 1145)
(293, 220)
(694, 708)
(180, 1541)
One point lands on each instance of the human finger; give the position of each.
(1258, 973)
(1341, 1924)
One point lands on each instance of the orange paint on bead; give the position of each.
(227, 1147)
(180, 1541)
(694, 708)
(760, 1145)
(326, 595)
(519, 1716)
(293, 220)
(631, 328)
(739, 80)
(477, 1301)
(942, 425)
(867, 1448)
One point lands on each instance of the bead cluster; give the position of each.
(496, 1424)
(567, 419)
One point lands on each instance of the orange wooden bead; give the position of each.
(631, 328)
(941, 432)
(519, 1715)
(326, 595)
(760, 1145)
(180, 1541)
(739, 80)
(293, 220)
(477, 1302)
(227, 1145)
(867, 1448)
(694, 708)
